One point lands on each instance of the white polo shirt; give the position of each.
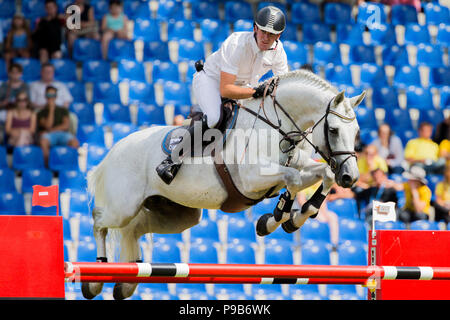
(239, 55)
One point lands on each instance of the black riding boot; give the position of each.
(168, 169)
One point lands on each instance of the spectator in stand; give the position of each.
(47, 37)
(369, 161)
(178, 120)
(442, 202)
(417, 195)
(383, 190)
(114, 25)
(88, 25)
(10, 88)
(338, 192)
(424, 152)
(18, 42)
(21, 122)
(53, 122)
(390, 148)
(442, 131)
(37, 88)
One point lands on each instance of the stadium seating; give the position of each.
(120, 130)
(7, 9)
(146, 30)
(351, 34)
(440, 77)
(28, 157)
(3, 71)
(235, 10)
(85, 49)
(12, 203)
(418, 98)
(338, 74)
(77, 90)
(336, 13)
(344, 208)
(371, 14)
(240, 253)
(366, 117)
(72, 179)
(385, 97)
(305, 12)
(352, 253)
(33, 9)
(65, 69)
(383, 35)
(205, 229)
(416, 34)
(135, 9)
(315, 230)
(31, 177)
(315, 32)
(84, 112)
(168, 10)
(180, 29)
(121, 49)
(240, 228)
(95, 154)
(63, 158)
(3, 157)
(165, 252)
(360, 54)
(91, 133)
(115, 112)
(325, 53)
(7, 180)
(403, 14)
(242, 25)
(315, 253)
(353, 230)
(150, 114)
(165, 71)
(204, 10)
(406, 76)
(443, 35)
(436, 14)
(96, 71)
(213, 30)
(395, 55)
(430, 55)
(106, 92)
(190, 50)
(176, 93)
(31, 68)
(131, 70)
(156, 50)
(140, 92)
(372, 75)
(202, 252)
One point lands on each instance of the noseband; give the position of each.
(290, 137)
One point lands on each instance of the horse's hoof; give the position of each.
(289, 226)
(117, 292)
(87, 294)
(261, 225)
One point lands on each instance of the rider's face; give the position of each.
(265, 39)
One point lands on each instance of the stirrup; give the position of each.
(167, 170)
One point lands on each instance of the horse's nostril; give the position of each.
(346, 180)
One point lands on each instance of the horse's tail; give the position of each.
(95, 184)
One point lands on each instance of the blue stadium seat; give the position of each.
(267, 292)
(86, 250)
(213, 30)
(190, 50)
(296, 51)
(180, 29)
(315, 230)
(86, 225)
(281, 6)
(31, 68)
(206, 229)
(66, 236)
(150, 114)
(63, 158)
(136, 9)
(3, 71)
(188, 76)
(398, 118)
(342, 292)
(371, 14)
(141, 92)
(403, 14)
(352, 230)
(77, 90)
(315, 32)
(7, 180)
(240, 253)
(235, 10)
(406, 76)
(383, 35)
(3, 157)
(204, 10)
(290, 33)
(84, 112)
(7, 9)
(72, 179)
(368, 135)
(431, 115)
(385, 97)
(443, 35)
(305, 12)
(12, 203)
(85, 49)
(156, 50)
(116, 112)
(243, 25)
(121, 49)
(436, 14)
(416, 34)
(360, 54)
(372, 75)
(445, 97)
(418, 98)
(263, 207)
(79, 202)
(165, 252)
(168, 9)
(202, 253)
(91, 133)
(395, 55)
(344, 208)
(440, 77)
(366, 117)
(182, 109)
(315, 253)
(424, 225)
(340, 74)
(101, 8)
(390, 225)
(131, 70)
(165, 71)
(336, 13)
(405, 134)
(433, 180)
(5, 24)
(351, 34)
(176, 93)
(352, 253)
(240, 228)
(325, 53)
(146, 30)
(33, 9)
(106, 92)
(27, 157)
(96, 71)
(65, 69)
(95, 155)
(121, 130)
(430, 55)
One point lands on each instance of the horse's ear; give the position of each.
(355, 101)
(339, 98)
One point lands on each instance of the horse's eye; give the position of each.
(333, 130)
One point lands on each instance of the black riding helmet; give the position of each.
(271, 19)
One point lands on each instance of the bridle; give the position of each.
(292, 136)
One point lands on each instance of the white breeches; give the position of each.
(207, 93)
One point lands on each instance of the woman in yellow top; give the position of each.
(442, 202)
(417, 196)
(368, 162)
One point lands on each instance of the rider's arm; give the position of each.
(229, 90)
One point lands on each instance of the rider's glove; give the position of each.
(259, 90)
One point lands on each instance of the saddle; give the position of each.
(236, 201)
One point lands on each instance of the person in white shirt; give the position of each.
(37, 89)
(233, 72)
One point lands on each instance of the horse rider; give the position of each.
(233, 72)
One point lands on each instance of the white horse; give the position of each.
(130, 196)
